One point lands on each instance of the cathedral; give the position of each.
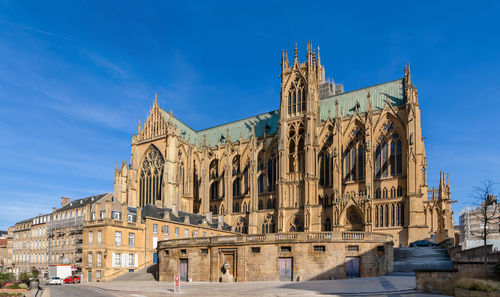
(326, 160)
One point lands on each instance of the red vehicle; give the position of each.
(72, 280)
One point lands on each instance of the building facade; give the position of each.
(272, 257)
(472, 226)
(350, 161)
(120, 239)
(65, 231)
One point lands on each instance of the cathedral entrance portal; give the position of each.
(354, 219)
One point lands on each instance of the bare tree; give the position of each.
(487, 215)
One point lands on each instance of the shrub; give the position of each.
(477, 285)
(14, 286)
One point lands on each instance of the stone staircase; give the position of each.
(145, 274)
(411, 258)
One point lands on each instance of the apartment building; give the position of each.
(65, 231)
(120, 239)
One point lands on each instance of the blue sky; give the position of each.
(76, 76)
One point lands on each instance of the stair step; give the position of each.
(410, 259)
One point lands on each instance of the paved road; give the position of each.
(75, 291)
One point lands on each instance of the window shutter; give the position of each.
(113, 259)
(136, 260)
(123, 260)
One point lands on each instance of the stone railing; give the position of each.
(284, 237)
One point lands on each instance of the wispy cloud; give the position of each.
(107, 64)
(36, 30)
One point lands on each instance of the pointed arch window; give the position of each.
(376, 216)
(247, 181)
(354, 156)
(236, 207)
(261, 183)
(261, 205)
(328, 225)
(402, 214)
(392, 215)
(183, 180)
(269, 204)
(268, 224)
(389, 154)
(325, 168)
(245, 209)
(214, 191)
(271, 174)
(150, 182)
(381, 216)
(236, 187)
(241, 226)
(296, 97)
(291, 156)
(386, 215)
(397, 214)
(196, 183)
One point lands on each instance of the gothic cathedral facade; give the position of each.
(351, 161)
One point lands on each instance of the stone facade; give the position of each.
(311, 256)
(352, 161)
(120, 239)
(29, 246)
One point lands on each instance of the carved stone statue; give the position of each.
(227, 277)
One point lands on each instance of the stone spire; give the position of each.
(282, 60)
(319, 58)
(156, 100)
(139, 128)
(171, 116)
(296, 56)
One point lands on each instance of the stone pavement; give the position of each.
(390, 285)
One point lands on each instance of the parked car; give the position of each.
(55, 280)
(72, 280)
(419, 243)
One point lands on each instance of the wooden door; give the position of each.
(229, 257)
(351, 267)
(184, 270)
(285, 269)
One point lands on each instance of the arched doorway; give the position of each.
(354, 220)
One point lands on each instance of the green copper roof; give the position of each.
(392, 90)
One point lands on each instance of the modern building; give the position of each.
(120, 239)
(472, 226)
(346, 161)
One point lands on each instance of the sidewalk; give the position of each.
(43, 293)
(392, 285)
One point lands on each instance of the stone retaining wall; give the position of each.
(440, 282)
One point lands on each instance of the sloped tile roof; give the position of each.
(392, 90)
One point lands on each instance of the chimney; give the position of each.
(54, 209)
(174, 210)
(208, 215)
(64, 201)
